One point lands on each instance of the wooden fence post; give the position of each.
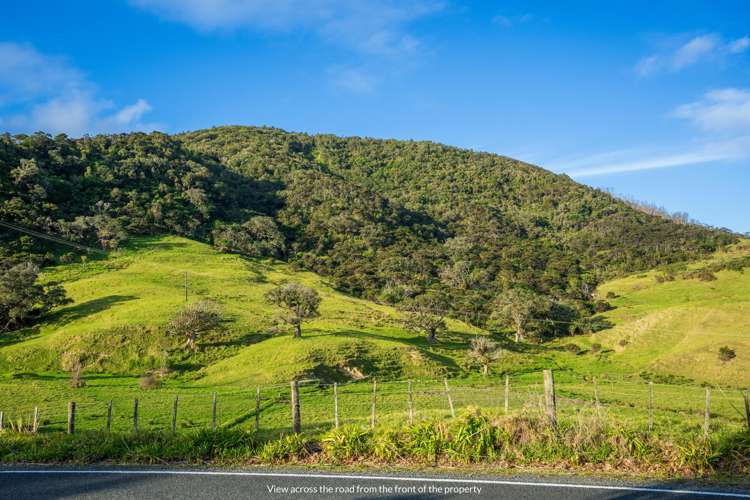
(411, 404)
(745, 396)
(257, 409)
(650, 406)
(296, 424)
(174, 412)
(109, 416)
(2, 421)
(71, 417)
(707, 415)
(549, 397)
(596, 398)
(35, 424)
(336, 404)
(135, 415)
(450, 399)
(373, 414)
(507, 393)
(213, 412)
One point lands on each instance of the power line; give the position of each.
(50, 237)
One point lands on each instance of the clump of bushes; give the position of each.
(149, 381)
(601, 306)
(571, 348)
(726, 353)
(664, 277)
(596, 347)
(700, 274)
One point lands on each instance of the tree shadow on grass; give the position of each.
(69, 314)
(153, 243)
(245, 339)
(416, 342)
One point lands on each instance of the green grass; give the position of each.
(121, 304)
(676, 328)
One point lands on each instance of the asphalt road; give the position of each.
(38, 484)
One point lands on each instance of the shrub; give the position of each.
(571, 348)
(726, 353)
(601, 306)
(347, 442)
(293, 446)
(148, 382)
(596, 347)
(612, 295)
(661, 278)
(623, 342)
(426, 440)
(387, 445)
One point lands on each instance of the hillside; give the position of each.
(121, 304)
(677, 327)
(384, 220)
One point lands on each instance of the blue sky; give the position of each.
(648, 99)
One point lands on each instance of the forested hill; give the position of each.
(384, 219)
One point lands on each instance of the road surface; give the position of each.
(128, 483)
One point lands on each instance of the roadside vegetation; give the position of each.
(524, 442)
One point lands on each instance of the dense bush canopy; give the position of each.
(384, 219)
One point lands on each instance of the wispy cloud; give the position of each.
(719, 110)
(723, 118)
(508, 21)
(708, 153)
(370, 26)
(677, 57)
(44, 92)
(351, 79)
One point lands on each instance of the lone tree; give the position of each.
(484, 352)
(194, 320)
(22, 299)
(426, 314)
(299, 301)
(522, 309)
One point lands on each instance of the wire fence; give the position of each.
(661, 408)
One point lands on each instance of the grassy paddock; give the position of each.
(524, 440)
(676, 409)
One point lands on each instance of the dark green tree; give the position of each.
(298, 301)
(194, 320)
(526, 311)
(23, 299)
(426, 314)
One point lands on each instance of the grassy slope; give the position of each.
(144, 285)
(672, 328)
(677, 328)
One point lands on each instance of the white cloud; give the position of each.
(719, 110)
(510, 21)
(25, 73)
(695, 50)
(371, 26)
(647, 65)
(636, 160)
(43, 92)
(677, 57)
(739, 45)
(132, 113)
(353, 80)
